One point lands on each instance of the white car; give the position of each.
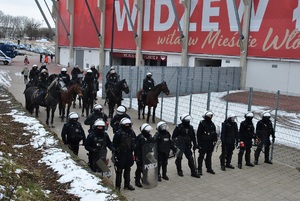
(5, 59)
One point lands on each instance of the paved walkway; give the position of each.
(280, 181)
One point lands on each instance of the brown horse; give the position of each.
(66, 98)
(151, 100)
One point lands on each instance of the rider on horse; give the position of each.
(42, 86)
(34, 74)
(75, 74)
(111, 79)
(148, 84)
(64, 76)
(96, 77)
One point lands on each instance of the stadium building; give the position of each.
(260, 36)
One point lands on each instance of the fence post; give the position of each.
(130, 83)
(177, 94)
(226, 112)
(162, 97)
(275, 121)
(192, 90)
(250, 98)
(208, 97)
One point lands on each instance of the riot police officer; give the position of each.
(75, 74)
(111, 78)
(64, 76)
(34, 74)
(148, 84)
(164, 145)
(229, 137)
(184, 137)
(96, 82)
(96, 144)
(72, 133)
(264, 129)
(42, 86)
(207, 138)
(96, 114)
(246, 135)
(143, 138)
(124, 143)
(115, 121)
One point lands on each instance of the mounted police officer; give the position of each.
(207, 138)
(96, 77)
(72, 133)
(111, 79)
(229, 137)
(143, 138)
(42, 86)
(75, 73)
(164, 144)
(96, 114)
(34, 75)
(96, 144)
(148, 84)
(184, 137)
(124, 143)
(246, 135)
(115, 121)
(64, 76)
(264, 129)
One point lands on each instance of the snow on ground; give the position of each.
(86, 185)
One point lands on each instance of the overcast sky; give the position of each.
(27, 8)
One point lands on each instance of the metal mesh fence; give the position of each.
(195, 90)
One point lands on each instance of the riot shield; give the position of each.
(180, 146)
(150, 171)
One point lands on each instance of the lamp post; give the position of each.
(112, 34)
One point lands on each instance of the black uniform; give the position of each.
(124, 143)
(185, 134)
(96, 77)
(96, 143)
(246, 135)
(229, 137)
(88, 81)
(74, 73)
(148, 84)
(207, 138)
(115, 121)
(90, 120)
(42, 85)
(264, 129)
(111, 79)
(65, 78)
(164, 145)
(72, 133)
(142, 139)
(34, 75)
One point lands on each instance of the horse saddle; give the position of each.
(39, 96)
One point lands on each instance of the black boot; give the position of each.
(178, 166)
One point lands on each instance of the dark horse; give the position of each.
(66, 97)
(151, 100)
(88, 99)
(51, 99)
(115, 95)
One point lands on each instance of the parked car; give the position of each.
(5, 59)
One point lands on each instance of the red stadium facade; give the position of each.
(213, 36)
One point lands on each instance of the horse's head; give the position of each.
(164, 88)
(124, 86)
(58, 85)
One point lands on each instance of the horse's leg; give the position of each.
(63, 111)
(79, 100)
(60, 108)
(149, 113)
(153, 115)
(52, 116)
(48, 114)
(37, 111)
(74, 100)
(82, 109)
(68, 110)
